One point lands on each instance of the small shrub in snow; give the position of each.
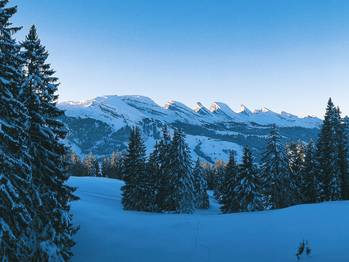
(303, 246)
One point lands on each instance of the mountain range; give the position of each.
(102, 125)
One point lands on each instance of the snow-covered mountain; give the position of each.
(103, 124)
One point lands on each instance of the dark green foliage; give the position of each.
(75, 167)
(50, 195)
(275, 172)
(163, 187)
(296, 157)
(329, 154)
(228, 199)
(135, 191)
(89, 165)
(200, 186)
(219, 175)
(181, 198)
(344, 149)
(248, 188)
(15, 171)
(310, 189)
(154, 173)
(209, 174)
(116, 166)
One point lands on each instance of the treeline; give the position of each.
(35, 224)
(111, 167)
(287, 174)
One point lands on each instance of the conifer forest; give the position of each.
(35, 163)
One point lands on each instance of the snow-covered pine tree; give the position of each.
(181, 177)
(219, 167)
(51, 227)
(310, 189)
(328, 154)
(135, 191)
(15, 173)
(275, 173)
(345, 159)
(228, 200)
(200, 185)
(249, 187)
(296, 156)
(164, 190)
(154, 174)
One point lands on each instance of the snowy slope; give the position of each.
(108, 233)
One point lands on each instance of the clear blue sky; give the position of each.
(284, 55)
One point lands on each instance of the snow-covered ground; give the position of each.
(109, 233)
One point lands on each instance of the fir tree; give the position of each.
(75, 166)
(328, 154)
(154, 179)
(96, 167)
(105, 167)
(135, 191)
(51, 228)
(116, 165)
(89, 167)
(296, 156)
(275, 173)
(248, 189)
(181, 179)
(15, 172)
(164, 190)
(209, 174)
(219, 167)
(228, 200)
(310, 189)
(200, 185)
(344, 156)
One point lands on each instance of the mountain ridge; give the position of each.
(103, 123)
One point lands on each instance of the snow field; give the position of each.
(109, 233)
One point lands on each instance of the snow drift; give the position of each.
(109, 233)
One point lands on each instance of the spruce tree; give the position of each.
(275, 173)
(310, 190)
(219, 167)
(51, 227)
(344, 156)
(89, 167)
(248, 190)
(200, 186)
(116, 165)
(75, 165)
(96, 167)
(228, 199)
(15, 173)
(154, 173)
(296, 156)
(164, 190)
(181, 181)
(328, 154)
(105, 167)
(135, 191)
(209, 174)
